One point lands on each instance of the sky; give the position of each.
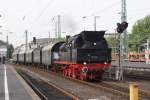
(39, 17)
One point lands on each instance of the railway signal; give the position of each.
(121, 27)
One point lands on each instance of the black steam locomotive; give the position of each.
(83, 56)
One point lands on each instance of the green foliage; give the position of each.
(113, 43)
(140, 32)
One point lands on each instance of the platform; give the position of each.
(13, 87)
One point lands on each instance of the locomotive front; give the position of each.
(85, 55)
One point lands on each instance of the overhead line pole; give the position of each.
(95, 19)
(26, 38)
(59, 27)
(124, 18)
(122, 43)
(56, 35)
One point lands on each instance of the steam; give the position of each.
(69, 24)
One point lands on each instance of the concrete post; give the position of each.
(133, 92)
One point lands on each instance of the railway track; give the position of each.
(113, 88)
(118, 92)
(44, 90)
(143, 95)
(84, 90)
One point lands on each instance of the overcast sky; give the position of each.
(36, 16)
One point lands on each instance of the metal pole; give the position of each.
(59, 27)
(119, 60)
(122, 43)
(84, 17)
(56, 35)
(94, 23)
(124, 18)
(134, 91)
(7, 38)
(26, 39)
(95, 19)
(7, 45)
(49, 35)
(119, 70)
(148, 51)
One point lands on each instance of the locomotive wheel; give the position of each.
(74, 76)
(69, 73)
(81, 77)
(63, 72)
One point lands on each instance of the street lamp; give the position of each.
(8, 49)
(7, 36)
(84, 17)
(95, 19)
(0, 25)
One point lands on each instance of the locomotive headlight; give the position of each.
(105, 63)
(84, 63)
(94, 43)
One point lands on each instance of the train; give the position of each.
(84, 56)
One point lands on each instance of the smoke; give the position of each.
(69, 24)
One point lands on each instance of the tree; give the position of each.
(10, 50)
(113, 43)
(140, 33)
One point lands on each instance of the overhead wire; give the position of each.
(51, 1)
(105, 8)
(41, 13)
(109, 6)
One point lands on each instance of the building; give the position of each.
(41, 42)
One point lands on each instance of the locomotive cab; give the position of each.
(56, 51)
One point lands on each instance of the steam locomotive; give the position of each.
(83, 56)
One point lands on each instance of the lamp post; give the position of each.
(8, 49)
(49, 35)
(0, 17)
(84, 17)
(7, 36)
(95, 19)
